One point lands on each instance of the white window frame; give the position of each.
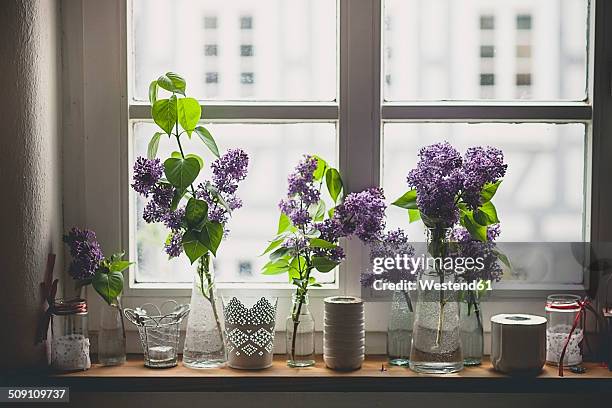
(97, 110)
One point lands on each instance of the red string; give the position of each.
(582, 304)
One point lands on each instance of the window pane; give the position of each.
(451, 50)
(541, 197)
(288, 47)
(274, 149)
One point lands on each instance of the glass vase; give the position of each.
(300, 333)
(472, 335)
(204, 342)
(399, 332)
(436, 345)
(111, 337)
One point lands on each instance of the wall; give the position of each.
(30, 169)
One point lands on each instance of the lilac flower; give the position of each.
(333, 254)
(86, 253)
(146, 174)
(229, 169)
(330, 229)
(301, 181)
(298, 215)
(390, 244)
(363, 214)
(480, 166)
(159, 205)
(468, 247)
(438, 178)
(174, 247)
(174, 219)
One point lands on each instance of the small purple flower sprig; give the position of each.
(308, 234)
(197, 226)
(89, 266)
(448, 189)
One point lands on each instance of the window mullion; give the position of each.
(359, 127)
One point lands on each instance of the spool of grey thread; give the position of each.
(343, 333)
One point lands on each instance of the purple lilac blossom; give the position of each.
(86, 253)
(174, 247)
(388, 245)
(437, 179)
(363, 214)
(146, 174)
(173, 220)
(159, 205)
(469, 247)
(481, 165)
(228, 171)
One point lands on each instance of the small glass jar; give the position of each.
(300, 334)
(561, 313)
(399, 329)
(69, 347)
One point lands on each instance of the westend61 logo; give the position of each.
(402, 264)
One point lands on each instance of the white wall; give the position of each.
(30, 169)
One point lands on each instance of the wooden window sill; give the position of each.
(133, 376)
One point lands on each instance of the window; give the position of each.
(210, 22)
(246, 50)
(246, 23)
(487, 79)
(487, 51)
(211, 50)
(403, 80)
(523, 22)
(212, 77)
(247, 78)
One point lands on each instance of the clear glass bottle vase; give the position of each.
(111, 337)
(471, 331)
(399, 331)
(436, 345)
(300, 334)
(204, 341)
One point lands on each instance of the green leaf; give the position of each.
(486, 214)
(279, 253)
(322, 264)
(321, 243)
(194, 249)
(119, 265)
(413, 215)
(181, 172)
(488, 191)
(172, 82)
(211, 236)
(207, 139)
(198, 158)
(331, 212)
(109, 285)
(477, 231)
(153, 145)
(321, 168)
(503, 258)
(196, 212)
(177, 197)
(189, 113)
(276, 267)
(164, 114)
(217, 196)
(334, 183)
(407, 201)
(317, 211)
(273, 245)
(297, 267)
(153, 92)
(283, 223)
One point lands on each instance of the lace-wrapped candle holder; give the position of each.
(249, 331)
(159, 332)
(561, 313)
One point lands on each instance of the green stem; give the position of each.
(204, 272)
